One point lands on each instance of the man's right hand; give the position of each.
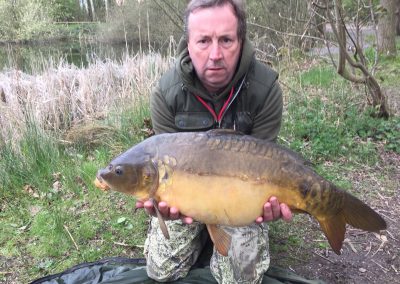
(168, 213)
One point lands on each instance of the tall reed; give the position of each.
(64, 94)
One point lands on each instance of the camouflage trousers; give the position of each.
(168, 260)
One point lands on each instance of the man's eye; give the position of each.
(226, 42)
(203, 42)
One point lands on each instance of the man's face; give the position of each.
(214, 46)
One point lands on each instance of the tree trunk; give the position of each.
(91, 11)
(397, 17)
(334, 15)
(106, 6)
(318, 19)
(84, 5)
(387, 29)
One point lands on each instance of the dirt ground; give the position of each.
(366, 257)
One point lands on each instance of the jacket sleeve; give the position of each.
(162, 117)
(267, 121)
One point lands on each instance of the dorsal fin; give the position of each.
(223, 131)
(221, 240)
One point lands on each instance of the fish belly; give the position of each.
(220, 200)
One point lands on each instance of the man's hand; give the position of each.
(168, 213)
(273, 210)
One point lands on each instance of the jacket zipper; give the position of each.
(225, 107)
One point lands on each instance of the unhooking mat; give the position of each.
(128, 271)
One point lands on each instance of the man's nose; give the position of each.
(216, 52)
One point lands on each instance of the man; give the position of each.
(215, 83)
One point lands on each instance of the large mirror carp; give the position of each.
(220, 177)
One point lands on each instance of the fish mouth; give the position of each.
(101, 184)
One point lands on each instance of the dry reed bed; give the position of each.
(64, 94)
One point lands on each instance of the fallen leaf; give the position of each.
(31, 191)
(121, 220)
(57, 176)
(33, 210)
(57, 186)
(351, 245)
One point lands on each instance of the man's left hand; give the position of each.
(273, 210)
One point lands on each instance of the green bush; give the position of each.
(8, 19)
(24, 20)
(65, 10)
(379, 130)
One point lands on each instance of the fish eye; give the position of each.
(118, 171)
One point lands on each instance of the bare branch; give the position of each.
(173, 20)
(322, 7)
(339, 30)
(174, 10)
(284, 33)
(376, 35)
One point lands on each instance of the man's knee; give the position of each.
(248, 256)
(167, 271)
(169, 260)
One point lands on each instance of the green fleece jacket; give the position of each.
(256, 107)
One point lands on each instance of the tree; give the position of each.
(106, 7)
(89, 8)
(275, 24)
(63, 10)
(387, 28)
(92, 13)
(352, 64)
(397, 16)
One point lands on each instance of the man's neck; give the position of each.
(214, 91)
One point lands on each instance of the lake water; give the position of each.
(33, 58)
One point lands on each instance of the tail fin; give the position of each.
(354, 212)
(334, 229)
(361, 216)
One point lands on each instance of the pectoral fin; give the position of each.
(161, 221)
(221, 240)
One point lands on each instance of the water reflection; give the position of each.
(35, 58)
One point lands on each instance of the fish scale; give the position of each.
(248, 144)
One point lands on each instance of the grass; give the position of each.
(53, 209)
(327, 118)
(51, 148)
(63, 124)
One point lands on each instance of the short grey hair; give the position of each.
(238, 8)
